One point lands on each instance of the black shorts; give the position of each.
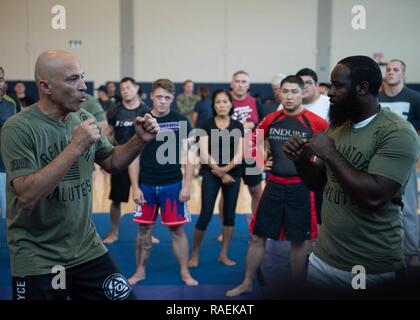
(285, 211)
(98, 279)
(120, 187)
(253, 179)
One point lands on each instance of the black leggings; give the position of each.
(209, 188)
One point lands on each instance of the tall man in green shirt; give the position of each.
(363, 164)
(49, 152)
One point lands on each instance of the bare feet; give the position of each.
(110, 238)
(220, 238)
(226, 261)
(138, 276)
(193, 262)
(189, 281)
(155, 240)
(242, 288)
(413, 261)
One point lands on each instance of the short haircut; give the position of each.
(276, 80)
(203, 91)
(363, 68)
(165, 84)
(403, 66)
(19, 81)
(293, 79)
(240, 72)
(103, 89)
(187, 81)
(308, 72)
(126, 79)
(215, 94)
(325, 84)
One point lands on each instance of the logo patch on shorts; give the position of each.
(138, 212)
(116, 287)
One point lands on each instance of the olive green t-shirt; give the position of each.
(6, 97)
(59, 230)
(93, 106)
(350, 235)
(186, 104)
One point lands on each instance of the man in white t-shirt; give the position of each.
(318, 104)
(312, 99)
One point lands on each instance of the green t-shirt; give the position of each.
(6, 97)
(59, 230)
(93, 106)
(350, 235)
(186, 104)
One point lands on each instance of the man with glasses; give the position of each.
(312, 99)
(318, 104)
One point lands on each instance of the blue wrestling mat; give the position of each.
(163, 281)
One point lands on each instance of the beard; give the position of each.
(340, 113)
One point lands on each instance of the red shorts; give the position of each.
(173, 211)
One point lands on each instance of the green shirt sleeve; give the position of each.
(100, 115)
(17, 151)
(397, 152)
(103, 148)
(93, 107)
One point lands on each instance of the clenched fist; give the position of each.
(322, 145)
(85, 135)
(146, 127)
(295, 148)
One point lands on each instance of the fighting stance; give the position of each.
(49, 153)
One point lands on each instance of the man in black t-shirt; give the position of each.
(286, 208)
(111, 92)
(121, 126)
(158, 183)
(106, 103)
(20, 91)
